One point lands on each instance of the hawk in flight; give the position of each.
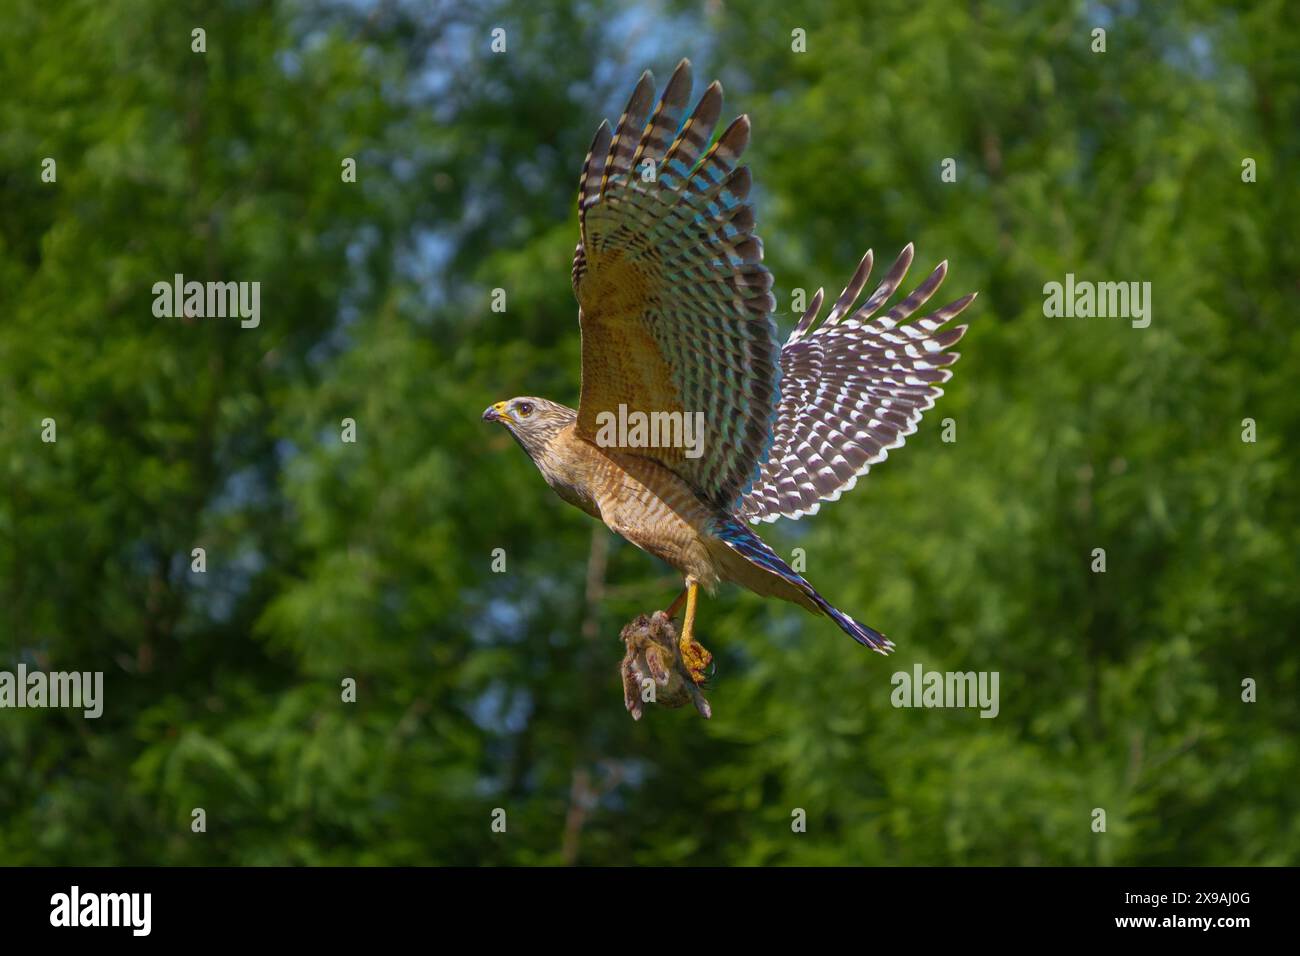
(676, 312)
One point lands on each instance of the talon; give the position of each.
(696, 659)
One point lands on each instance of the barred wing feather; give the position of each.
(674, 302)
(852, 389)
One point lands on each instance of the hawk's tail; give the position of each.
(759, 557)
(864, 635)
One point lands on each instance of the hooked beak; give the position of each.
(496, 413)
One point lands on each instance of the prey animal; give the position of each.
(676, 313)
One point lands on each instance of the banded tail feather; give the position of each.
(752, 548)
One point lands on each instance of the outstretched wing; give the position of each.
(852, 390)
(674, 301)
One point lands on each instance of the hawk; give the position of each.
(676, 314)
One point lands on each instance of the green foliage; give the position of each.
(372, 560)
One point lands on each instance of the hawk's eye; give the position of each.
(524, 409)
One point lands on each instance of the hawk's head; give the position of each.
(533, 421)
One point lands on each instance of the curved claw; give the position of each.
(696, 659)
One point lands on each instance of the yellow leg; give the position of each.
(694, 657)
(692, 595)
